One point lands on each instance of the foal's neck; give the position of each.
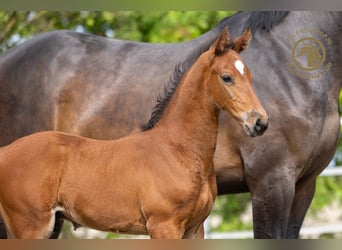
(190, 120)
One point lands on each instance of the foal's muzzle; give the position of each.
(255, 124)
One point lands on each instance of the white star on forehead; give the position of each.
(240, 66)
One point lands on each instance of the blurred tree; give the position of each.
(156, 27)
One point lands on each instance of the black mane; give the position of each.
(163, 100)
(265, 20)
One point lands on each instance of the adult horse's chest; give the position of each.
(205, 201)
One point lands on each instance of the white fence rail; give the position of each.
(305, 231)
(308, 231)
(333, 171)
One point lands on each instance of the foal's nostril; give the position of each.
(259, 126)
(258, 122)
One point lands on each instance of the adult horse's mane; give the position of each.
(265, 20)
(261, 20)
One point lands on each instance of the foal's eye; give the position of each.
(227, 79)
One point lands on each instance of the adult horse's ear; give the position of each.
(241, 43)
(222, 42)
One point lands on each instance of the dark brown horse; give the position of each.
(160, 181)
(105, 88)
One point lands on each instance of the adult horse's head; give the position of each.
(230, 83)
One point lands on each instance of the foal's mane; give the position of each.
(163, 100)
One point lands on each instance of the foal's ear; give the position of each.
(241, 43)
(222, 42)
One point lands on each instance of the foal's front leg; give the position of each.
(195, 233)
(167, 229)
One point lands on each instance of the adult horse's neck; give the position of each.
(295, 86)
(235, 23)
(190, 120)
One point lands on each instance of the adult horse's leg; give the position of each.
(303, 197)
(3, 231)
(271, 201)
(59, 221)
(272, 190)
(305, 186)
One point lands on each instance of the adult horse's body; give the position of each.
(160, 181)
(80, 83)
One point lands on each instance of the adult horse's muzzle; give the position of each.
(255, 124)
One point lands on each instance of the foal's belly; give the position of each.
(119, 219)
(98, 205)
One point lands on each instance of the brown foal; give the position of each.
(159, 182)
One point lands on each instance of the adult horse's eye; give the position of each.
(227, 79)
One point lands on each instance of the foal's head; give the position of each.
(230, 82)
